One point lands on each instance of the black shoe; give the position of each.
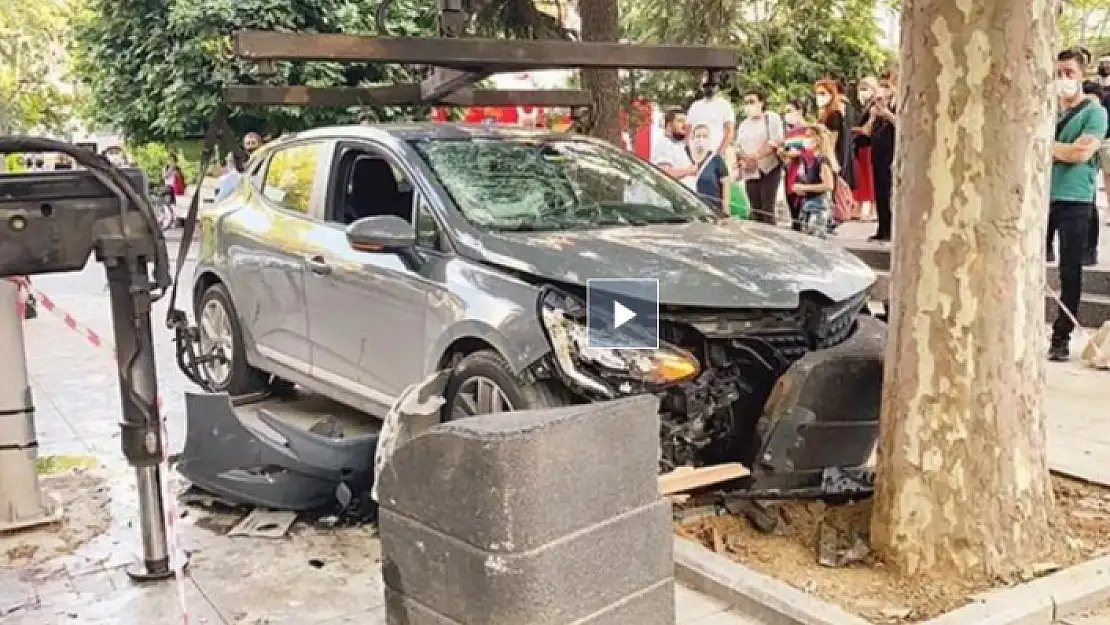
(1050, 257)
(30, 310)
(1090, 259)
(1059, 353)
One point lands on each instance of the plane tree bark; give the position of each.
(963, 476)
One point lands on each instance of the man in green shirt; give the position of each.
(1080, 131)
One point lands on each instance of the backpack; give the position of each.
(843, 201)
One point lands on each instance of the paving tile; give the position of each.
(155, 604)
(691, 605)
(722, 618)
(250, 579)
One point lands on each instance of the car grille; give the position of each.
(816, 324)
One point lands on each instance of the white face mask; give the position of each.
(1066, 87)
(753, 110)
(865, 95)
(701, 144)
(794, 119)
(823, 99)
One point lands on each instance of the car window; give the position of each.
(369, 184)
(427, 230)
(291, 176)
(556, 183)
(255, 171)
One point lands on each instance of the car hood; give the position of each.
(735, 264)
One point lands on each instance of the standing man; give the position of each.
(715, 111)
(670, 152)
(1080, 131)
(251, 142)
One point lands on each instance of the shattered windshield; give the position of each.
(556, 184)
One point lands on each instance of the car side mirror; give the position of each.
(381, 233)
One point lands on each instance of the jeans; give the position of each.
(884, 188)
(1070, 220)
(762, 193)
(815, 216)
(1092, 231)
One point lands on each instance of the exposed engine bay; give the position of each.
(713, 371)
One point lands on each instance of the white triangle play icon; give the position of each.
(621, 314)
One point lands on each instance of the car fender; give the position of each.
(520, 341)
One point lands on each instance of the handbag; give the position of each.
(738, 205)
(844, 203)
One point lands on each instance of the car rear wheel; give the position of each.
(483, 383)
(220, 332)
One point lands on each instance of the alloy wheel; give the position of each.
(479, 395)
(217, 338)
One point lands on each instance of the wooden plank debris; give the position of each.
(685, 479)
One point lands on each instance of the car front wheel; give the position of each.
(221, 333)
(482, 383)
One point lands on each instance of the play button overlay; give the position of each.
(622, 314)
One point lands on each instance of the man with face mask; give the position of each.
(715, 111)
(1080, 131)
(670, 152)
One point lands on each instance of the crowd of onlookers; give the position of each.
(836, 163)
(833, 160)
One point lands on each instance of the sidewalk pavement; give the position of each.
(75, 574)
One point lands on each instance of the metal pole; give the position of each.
(21, 501)
(141, 428)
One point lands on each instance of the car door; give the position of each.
(366, 310)
(272, 237)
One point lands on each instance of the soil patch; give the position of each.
(86, 499)
(853, 579)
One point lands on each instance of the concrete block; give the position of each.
(531, 518)
(653, 605)
(553, 472)
(580, 575)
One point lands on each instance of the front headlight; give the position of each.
(564, 319)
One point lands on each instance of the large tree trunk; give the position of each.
(963, 476)
(599, 23)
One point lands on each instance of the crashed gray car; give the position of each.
(355, 261)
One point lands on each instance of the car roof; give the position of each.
(415, 131)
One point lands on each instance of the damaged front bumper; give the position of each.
(821, 422)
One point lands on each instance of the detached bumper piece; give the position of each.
(278, 466)
(820, 424)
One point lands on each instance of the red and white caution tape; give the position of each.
(177, 555)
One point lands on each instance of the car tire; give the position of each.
(242, 378)
(489, 366)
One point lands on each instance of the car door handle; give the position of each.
(317, 265)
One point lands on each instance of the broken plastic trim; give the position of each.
(296, 470)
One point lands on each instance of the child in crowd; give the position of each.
(816, 180)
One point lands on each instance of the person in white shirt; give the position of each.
(757, 142)
(715, 111)
(670, 152)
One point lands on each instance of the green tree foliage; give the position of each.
(154, 68)
(785, 46)
(1086, 22)
(33, 94)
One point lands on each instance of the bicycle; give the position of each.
(163, 210)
